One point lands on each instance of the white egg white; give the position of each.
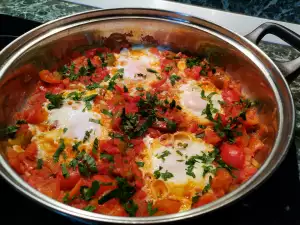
(76, 121)
(136, 62)
(175, 161)
(192, 101)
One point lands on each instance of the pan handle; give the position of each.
(290, 69)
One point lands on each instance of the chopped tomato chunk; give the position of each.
(232, 155)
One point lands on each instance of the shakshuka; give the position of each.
(141, 131)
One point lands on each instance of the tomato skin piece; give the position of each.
(35, 114)
(112, 208)
(193, 72)
(31, 151)
(205, 199)
(211, 137)
(193, 127)
(14, 161)
(167, 205)
(69, 182)
(157, 84)
(221, 182)
(232, 155)
(48, 77)
(231, 95)
(154, 133)
(251, 117)
(109, 147)
(76, 189)
(104, 188)
(154, 51)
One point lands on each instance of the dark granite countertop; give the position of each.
(284, 10)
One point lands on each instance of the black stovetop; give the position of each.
(275, 202)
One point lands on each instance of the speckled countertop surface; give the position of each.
(284, 10)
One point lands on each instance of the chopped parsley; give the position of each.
(194, 61)
(69, 72)
(112, 81)
(116, 135)
(171, 125)
(90, 67)
(208, 169)
(140, 164)
(130, 207)
(157, 173)
(64, 170)
(179, 153)
(151, 70)
(166, 175)
(89, 98)
(108, 157)
(106, 78)
(76, 96)
(195, 199)
(89, 208)
(200, 135)
(208, 111)
(40, 163)
(87, 193)
(95, 146)
(19, 122)
(93, 86)
(163, 155)
(174, 78)
(73, 163)
(207, 187)
(56, 101)
(150, 209)
(168, 68)
(94, 121)
(87, 135)
(66, 199)
(182, 145)
(8, 131)
(86, 164)
(123, 192)
(82, 71)
(59, 150)
(107, 112)
(76, 145)
(203, 72)
(139, 88)
(140, 75)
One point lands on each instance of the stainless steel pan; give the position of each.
(45, 46)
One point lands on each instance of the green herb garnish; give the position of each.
(140, 164)
(108, 157)
(89, 208)
(40, 163)
(150, 209)
(87, 135)
(56, 101)
(130, 207)
(166, 175)
(107, 112)
(95, 146)
(64, 170)
(94, 121)
(174, 78)
(59, 150)
(87, 193)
